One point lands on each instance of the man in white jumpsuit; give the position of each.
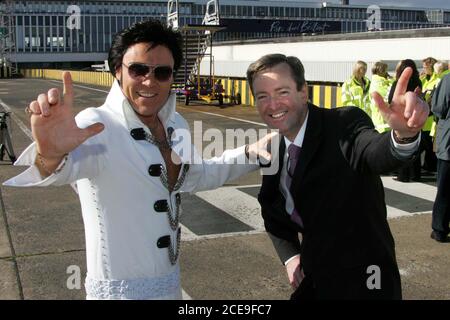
(128, 158)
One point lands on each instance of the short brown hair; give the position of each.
(271, 60)
(430, 61)
(379, 68)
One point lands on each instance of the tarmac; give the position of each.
(42, 247)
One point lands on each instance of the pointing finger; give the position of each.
(411, 101)
(402, 83)
(68, 89)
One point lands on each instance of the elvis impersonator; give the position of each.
(127, 162)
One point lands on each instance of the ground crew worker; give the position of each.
(355, 91)
(440, 69)
(427, 70)
(381, 83)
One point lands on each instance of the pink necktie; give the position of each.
(294, 153)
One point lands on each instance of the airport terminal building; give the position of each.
(77, 34)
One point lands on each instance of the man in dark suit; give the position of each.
(334, 197)
(441, 208)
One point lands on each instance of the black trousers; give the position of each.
(410, 171)
(426, 145)
(351, 284)
(441, 208)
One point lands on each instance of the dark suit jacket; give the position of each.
(440, 107)
(339, 195)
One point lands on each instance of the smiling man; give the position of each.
(125, 158)
(328, 186)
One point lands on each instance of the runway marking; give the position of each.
(393, 213)
(223, 235)
(80, 86)
(247, 209)
(222, 116)
(186, 233)
(416, 189)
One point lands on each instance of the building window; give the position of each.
(261, 11)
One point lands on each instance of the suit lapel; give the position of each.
(270, 184)
(310, 145)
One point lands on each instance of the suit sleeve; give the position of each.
(285, 249)
(441, 99)
(85, 161)
(365, 149)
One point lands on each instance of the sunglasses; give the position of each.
(137, 70)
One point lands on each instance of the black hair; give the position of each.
(413, 83)
(149, 31)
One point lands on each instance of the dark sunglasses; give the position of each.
(161, 73)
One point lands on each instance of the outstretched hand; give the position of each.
(261, 149)
(407, 113)
(53, 124)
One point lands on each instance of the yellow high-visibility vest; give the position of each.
(354, 94)
(382, 86)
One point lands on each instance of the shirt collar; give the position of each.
(298, 141)
(119, 104)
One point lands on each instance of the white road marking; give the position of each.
(247, 209)
(393, 213)
(84, 87)
(416, 189)
(187, 234)
(224, 235)
(222, 116)
(184, 295)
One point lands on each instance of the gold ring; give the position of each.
(28, 111)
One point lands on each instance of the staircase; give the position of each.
(194, 47)
(7, 39)
(196, 38)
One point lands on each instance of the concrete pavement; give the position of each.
(42, 234)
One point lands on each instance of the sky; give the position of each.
(442, 4)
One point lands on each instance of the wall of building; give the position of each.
(328, 60)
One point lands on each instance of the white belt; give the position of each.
(135, 289)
